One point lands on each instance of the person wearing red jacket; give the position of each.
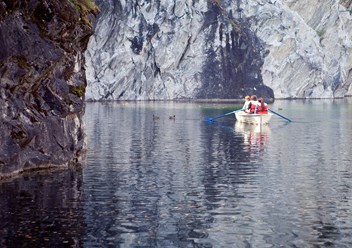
(257, 106)
(253, 105)
(262, 106)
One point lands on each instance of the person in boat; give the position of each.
(262, 106)
(245, 107)
(253, 104)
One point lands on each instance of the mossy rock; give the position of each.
(85, 7)
(18, 135)
(78, 90)
(22, 61)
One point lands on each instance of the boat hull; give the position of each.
(254, 119)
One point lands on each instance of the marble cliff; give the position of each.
(145, 49)
(42, 82)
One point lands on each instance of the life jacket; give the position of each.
(261, 110)
(253, 107)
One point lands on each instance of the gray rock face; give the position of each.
(42, 83)
(310, 46)
(172, 50)
(220, 49)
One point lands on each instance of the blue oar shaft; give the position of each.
(280, 115)
(217, 117)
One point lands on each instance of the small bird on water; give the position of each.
(155, 117)
(172, 117)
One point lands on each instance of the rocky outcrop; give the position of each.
(42, 82)
(173, 50)
(220, 49)
(310, 46)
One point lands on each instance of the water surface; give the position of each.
(186, 182)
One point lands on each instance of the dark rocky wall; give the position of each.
(232, 70)
(42, 82)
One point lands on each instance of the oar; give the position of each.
(280, 115)
(217, 117)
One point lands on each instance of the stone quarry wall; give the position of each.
(145, 50)
(220, 49)
(310, 46)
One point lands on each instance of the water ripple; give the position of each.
(190, 183)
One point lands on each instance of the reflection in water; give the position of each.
(42, 210)
(255, 136)
(185, 182)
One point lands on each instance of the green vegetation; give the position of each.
(18, 135)
(236, 26)
(321, 33)
(85, 7)
(21, 61)
(91, 4)
(78, 90)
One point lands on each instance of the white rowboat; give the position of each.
(254, 119)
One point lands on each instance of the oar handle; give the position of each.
(280, 115)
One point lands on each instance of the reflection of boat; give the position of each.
(254, 135)
(254, 119)
(244, 128)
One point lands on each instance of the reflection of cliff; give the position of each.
(163, 182)
(233, 154)
(161, 178)
(42, 210)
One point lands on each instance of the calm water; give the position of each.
(190, 183)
